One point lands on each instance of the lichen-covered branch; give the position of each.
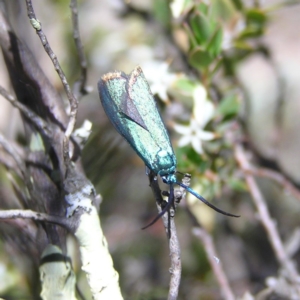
(56, 274)
(96, 260)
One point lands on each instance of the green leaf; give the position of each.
(229, 106)
(237, 185)
(214, 46)
(251, 32)
(256, 16)
(238, 4)
(185, 85)
(188, 158)
(202, 7)
(182, 89)
(162, 13)
(200, 27)
(222, 10)
(200, 58)
(242, 45)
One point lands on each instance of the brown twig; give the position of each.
(174, 244)
(72, 100)
(29, 114)
(265, 218)
(279, 178)
(169, 224)
(36, 216)
(212, 256)
(80, 88)
(6, 145)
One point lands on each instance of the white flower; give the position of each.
(177, 7)
(159, 78)
(202, 113)
(203, 108)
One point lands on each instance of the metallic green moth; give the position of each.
(129, 104)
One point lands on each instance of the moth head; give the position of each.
(168, 179)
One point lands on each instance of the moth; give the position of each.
(130, 105)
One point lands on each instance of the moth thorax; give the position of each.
(165, 163)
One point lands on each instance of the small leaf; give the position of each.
(202, 7)
(200, 27)
(182, 89)
(229, 106)
(242, 45)
(200, 58)
(238, 4)
(256, 16)
(188, 158)
(214, 46)
(222, 10)
(251, 32)
(162, 12)
(237, 185)
(185, 85)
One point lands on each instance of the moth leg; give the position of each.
(174, 202)
(170, 204)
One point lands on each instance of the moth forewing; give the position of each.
(128, 116)
(143, 99)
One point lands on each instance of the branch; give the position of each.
(80, 88)
(72, 100)
(56, 274)
(174, 244)
(13, 153)
(43, 126)
(212, 255)
(31, 86)
(96, 260)
(169, 224)
(36, 216)
(265, 218)
(279, 178)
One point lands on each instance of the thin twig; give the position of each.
(9, 162)
(80, 85)
(212, 256)
(265, 218)
(72, 100)
(279, 178)
(29, 114)
(6, 145)
(174, 246)
(36, 216)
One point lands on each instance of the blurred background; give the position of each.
(228, 68)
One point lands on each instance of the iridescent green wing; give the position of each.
(126, 118)
(143, 100)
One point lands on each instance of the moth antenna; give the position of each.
(205, 201)
(166, 208)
